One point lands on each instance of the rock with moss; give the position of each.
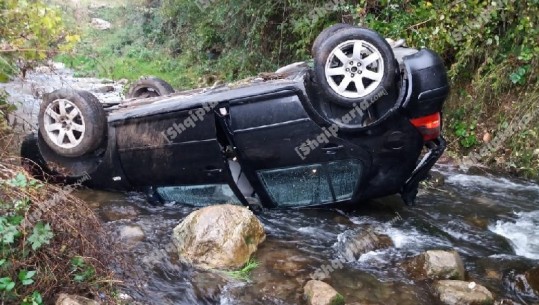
(219, 237)
(319, 293)
(453, 292)
(436, 264)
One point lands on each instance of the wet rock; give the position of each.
(320, 293)
(104, 89)
(123, 82)
(436, 264)
(100, 24)
(218, 237)
(353, 243)
(453, 292)
(477, 221)
(518, 282)
(368, 289)
(436, 179)
(481, 170)
(208, 285)
(493, 274)
(532, 276)
(277, 258)
(343, 220)
(65, 299)
(506, 302)
(131, 234)
(119, 212)
(280, 289)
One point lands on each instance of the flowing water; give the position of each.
(493, 222)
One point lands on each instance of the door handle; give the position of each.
(332, 148)
(213, 170)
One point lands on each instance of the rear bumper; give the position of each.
(420, 173)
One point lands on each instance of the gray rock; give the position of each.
(123, 81)
(352, 244)
(100, 24)
(104, 89)
(320, 293)
(218, 237)
(66, 299)
(119, 212)
(453, 292)
(436, 264)
(131, 234)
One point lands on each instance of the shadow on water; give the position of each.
(491, 221)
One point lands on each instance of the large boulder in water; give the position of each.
(463, 293)
(320, 293)
(436, 264)
(219, 237)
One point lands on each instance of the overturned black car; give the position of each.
(363, 120)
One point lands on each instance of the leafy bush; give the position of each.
(30, 32)
(50, 242)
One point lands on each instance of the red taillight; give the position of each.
(428, 126)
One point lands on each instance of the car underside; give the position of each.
(360, 122)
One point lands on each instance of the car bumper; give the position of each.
(420, 173)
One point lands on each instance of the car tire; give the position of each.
(73, 123)
(325, 34)
(147, 87)
(346, 77)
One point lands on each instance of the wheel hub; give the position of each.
(64, 123)
(354, 68)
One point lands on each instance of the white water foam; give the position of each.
(523, 233)
(490, 182)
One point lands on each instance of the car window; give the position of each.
(312, 184)
(199, 195)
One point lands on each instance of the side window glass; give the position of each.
(199, 195)
(312, 184)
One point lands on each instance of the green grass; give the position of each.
(245, 272)
(131, 68)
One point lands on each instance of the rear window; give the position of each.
(312, 184)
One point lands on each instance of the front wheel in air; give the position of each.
(73, 123)
(354, 65)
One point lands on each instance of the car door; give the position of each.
(286, 154)
(172, 148)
